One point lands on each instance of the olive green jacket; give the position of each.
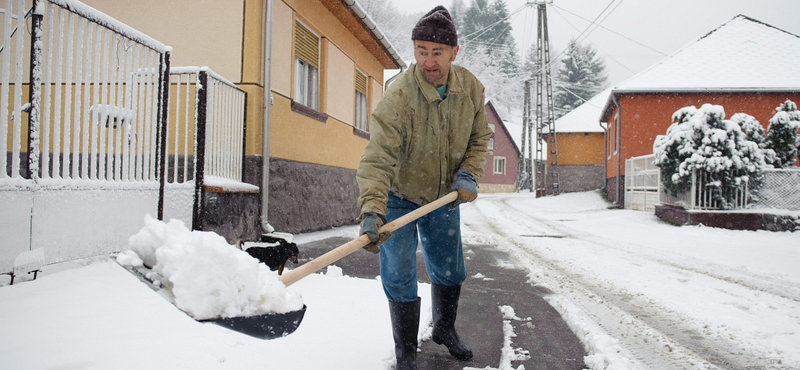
(418, 141)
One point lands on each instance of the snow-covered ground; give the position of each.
(640, 294)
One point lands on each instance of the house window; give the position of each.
(499, 165)
(306, 71)
(362, 114)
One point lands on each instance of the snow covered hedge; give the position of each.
(782, 134)
(702, 139)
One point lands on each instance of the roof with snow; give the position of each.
(742, 54)
(584, 118)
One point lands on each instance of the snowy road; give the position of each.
(642, 294)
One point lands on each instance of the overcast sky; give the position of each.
(633, 34)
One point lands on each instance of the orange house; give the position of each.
(580, 139)
(744, 65)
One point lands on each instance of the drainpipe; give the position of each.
(605, 152)
(265, 135)
(619, 148)
(391, 79)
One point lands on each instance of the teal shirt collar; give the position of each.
(442, 90)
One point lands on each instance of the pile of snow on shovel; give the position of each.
(205, 276)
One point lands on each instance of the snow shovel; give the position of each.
(277, 325)
(270, 326)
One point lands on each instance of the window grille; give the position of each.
(306, 46)
(362, 113)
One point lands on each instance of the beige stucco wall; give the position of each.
(303, 139)
(282, 31)
(375, 92)
(200, 32)
(340, 85)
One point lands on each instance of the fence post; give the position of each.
(34, 115)
(161, 148)
(244, 138)
(693, 194)
(200, 149)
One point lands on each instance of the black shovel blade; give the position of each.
(266, 326)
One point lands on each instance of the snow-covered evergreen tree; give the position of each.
(701, 139)
(488, 50)
(457, 9)
(504, 91)
(782, 136)
(754, 131)
(475, 21)
(580, 76)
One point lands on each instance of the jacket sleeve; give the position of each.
(477, 149)
(376, 170)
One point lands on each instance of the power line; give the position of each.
(609, 30)
(595, 19)
(597, 24)
(547, 65)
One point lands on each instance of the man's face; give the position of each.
(434, 60)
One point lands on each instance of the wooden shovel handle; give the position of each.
(291, 277)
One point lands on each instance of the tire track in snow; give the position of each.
(765, 284)
(659, 337)
(647, 348)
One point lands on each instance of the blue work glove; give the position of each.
(464, 183)
(371, 222)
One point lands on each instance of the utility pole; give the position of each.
(545, 118)
(525, 178)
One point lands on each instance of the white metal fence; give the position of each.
(81, 114)
(91, 89)
(643, 189)
(207, 116)
(642, 183)
(95, 132)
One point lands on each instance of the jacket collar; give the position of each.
(430, 93)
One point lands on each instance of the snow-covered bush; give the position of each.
(782, 134)
(754, 131)
(702, 139)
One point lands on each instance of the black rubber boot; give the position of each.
(405, 327)
(445, 309)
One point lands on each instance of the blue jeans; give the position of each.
(440, 233)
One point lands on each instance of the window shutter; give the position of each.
(361, 82)
(306, 45)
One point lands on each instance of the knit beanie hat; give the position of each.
(436, 26)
